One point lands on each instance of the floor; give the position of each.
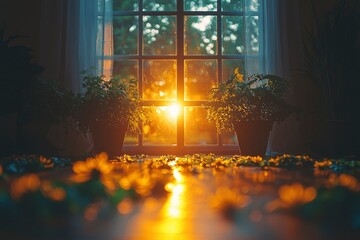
(210, 204)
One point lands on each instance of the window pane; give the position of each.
(161, 130)
(252, 65)
(125, 5)
(252, 34)
(100, 4)
(232, 35)
(159, 79)
(126, 69)
(200, 77)
(131, 138)
(232, 5)
(200, 5)
(99, 36)
(252, 5)
(200, 35)
(159, 35)
(125, 35)
(198, 130)
(229, 66)
(107, 68)
(159, 5)
(229, 138)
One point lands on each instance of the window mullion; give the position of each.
(140, 64)
(180, 72)
(219, 55)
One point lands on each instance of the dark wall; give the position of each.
(22, 17)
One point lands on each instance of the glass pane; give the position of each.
(232, 5)
(106, 66)
(100, 4)
(229, 66)
(200, 35)
(200, 5)
(200, 77)
(159, 5)
(253, 66)
(232, 35)
(99, 36)
(125, 35)
(198, 130)
(131, 138)
(252, 34)
(252, 5)
(126, 69)
(159, 79)
(125, 5)
(159, 35)
(161, 130)
(229, 138)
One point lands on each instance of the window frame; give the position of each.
(180, 57)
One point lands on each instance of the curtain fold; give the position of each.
(80, 41)
(105, 48)
(68, 40)
(281, 34)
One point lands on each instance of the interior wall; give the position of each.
(314, 136)
(22, 17)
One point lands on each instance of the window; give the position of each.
(178, 51)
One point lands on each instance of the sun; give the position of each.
(173, 111)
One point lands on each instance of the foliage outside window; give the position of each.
(178, 51)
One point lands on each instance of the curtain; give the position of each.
(81, 34)
(67, 47)
(280, 40)
(104, 39)
(68, 40)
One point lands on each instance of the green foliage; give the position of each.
(260, 97)
(17, 74)
(291, 162)
(20, 164)
(115, 101)
(59, 105)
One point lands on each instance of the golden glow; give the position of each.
(125, 206)
(24, 184)
(175, 204)
(177, 175)
(99, 167)
(226, 197)
(173, 111)
(292, 195)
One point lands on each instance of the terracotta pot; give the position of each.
(253, 136)
(109, 139)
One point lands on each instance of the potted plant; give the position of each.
(108, 108)
(18, 74)
(46, 105)
(249, 107)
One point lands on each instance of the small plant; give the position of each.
(115, 101)
(108, 108)
(260, 97)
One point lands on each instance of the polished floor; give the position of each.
(177, 199)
